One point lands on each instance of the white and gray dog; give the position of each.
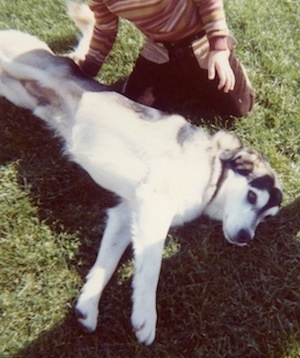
(165, 170)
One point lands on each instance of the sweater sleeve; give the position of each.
(105, 31)
(214, 22)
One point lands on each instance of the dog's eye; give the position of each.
(251, 197)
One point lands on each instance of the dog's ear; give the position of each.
(225, 141)
(241, 161)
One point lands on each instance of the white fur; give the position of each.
(136, 152)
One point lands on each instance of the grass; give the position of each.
(214, 300)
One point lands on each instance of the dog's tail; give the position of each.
(84, 19)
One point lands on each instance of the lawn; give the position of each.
(214, 300)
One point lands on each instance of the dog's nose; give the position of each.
(243, 237)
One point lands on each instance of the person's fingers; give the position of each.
(222, 78)
(218, 64)
(211, 71)
(227, 80)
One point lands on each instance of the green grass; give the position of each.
(214, 300)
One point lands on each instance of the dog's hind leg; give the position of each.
(116, 238)
(152, 222)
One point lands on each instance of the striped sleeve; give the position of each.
(213, 17)
(105, 31)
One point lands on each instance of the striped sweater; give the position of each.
(159, 21)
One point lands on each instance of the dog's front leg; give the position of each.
(151, 225)
(116, 238)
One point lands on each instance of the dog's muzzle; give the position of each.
(244, 237)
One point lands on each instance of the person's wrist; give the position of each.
(218, 43)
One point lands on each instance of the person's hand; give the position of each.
(218, 63)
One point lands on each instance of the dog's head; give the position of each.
(250, 192)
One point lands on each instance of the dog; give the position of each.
(165, 170)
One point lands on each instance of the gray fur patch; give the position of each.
(185, 133)
(62, 67)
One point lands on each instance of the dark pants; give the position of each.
(181, 86)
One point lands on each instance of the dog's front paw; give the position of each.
(86, 312)
(143, 321)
